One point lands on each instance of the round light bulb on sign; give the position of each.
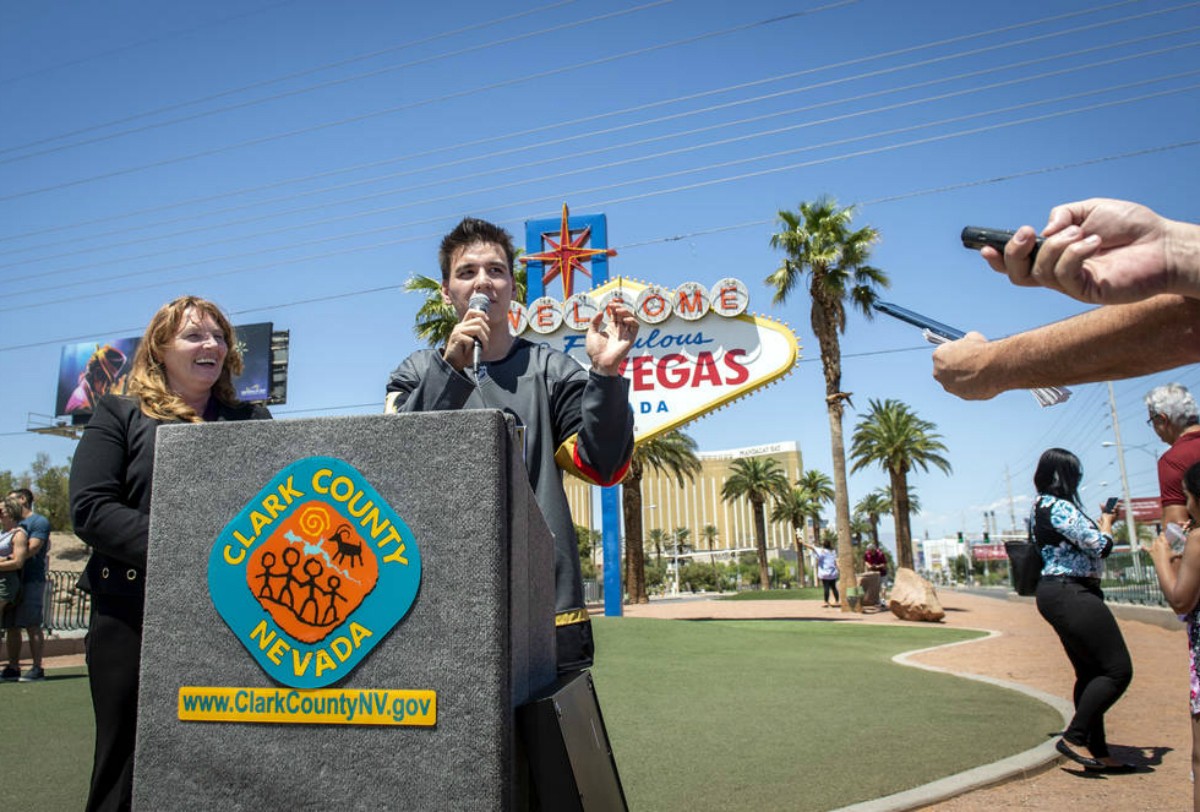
(729, 297)
(691, 301)
(545, 315)
(653, 305)
(578, 311)
(619, 296)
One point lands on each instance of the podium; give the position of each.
(262, 615)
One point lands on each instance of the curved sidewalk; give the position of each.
(1149, 726)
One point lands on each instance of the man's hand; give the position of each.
(607, 348)
(962, 370)
(461, 344)
(1099, 251)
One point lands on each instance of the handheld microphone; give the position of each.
(481, 303)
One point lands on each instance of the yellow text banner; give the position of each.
(330, 706)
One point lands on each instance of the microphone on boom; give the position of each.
(481, 303)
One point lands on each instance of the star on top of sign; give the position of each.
(567, 254)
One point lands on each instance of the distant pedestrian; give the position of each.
(14, 547)
(827, 570)
(1179, 578)
(1069, 598)
(27, 614)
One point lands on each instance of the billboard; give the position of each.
(94, 368)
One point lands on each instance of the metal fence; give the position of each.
(66, 606)
(1129, 578)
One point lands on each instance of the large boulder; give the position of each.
(914, 598)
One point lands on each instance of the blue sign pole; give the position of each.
(610, 516)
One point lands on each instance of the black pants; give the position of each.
(114, 648)
(1094, 644)
(830, 585)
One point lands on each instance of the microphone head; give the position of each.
(479, 302)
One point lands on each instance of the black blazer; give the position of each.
(110, 491)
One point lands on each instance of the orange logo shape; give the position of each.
(312, 572)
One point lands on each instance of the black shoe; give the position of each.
(1086, 761)
(1121, 768)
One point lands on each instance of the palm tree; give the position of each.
(756, 479)
(893, 436)
(672, 454)
(435, 318)
(872, 506)
(656, 537)
(710, 533)
(817, 485)
(823, 250)
(795, 507)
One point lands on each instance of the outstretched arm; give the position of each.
(1108, 343)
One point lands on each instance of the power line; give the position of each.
(412, 105)
(320, 86)
(672, 238)
(612, 147)
(990, 34)
(587, 170)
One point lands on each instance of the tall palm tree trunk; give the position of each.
(760, 541)
(841, 501)
(900, 513)
(635, 559)
(799, 531)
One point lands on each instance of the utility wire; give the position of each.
(413, 105)
(323, 85)
(278, 306)
(442, 182)
(990, 34)
(587, 170)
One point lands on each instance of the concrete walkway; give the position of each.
(1149, 726)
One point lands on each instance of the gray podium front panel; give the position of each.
(480, 631)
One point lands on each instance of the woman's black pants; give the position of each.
(114, 648)
(1094, 644)
(830, 585)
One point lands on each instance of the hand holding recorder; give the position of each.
(1099, 251)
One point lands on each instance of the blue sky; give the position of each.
(296, 161)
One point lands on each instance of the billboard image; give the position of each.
(90, 369)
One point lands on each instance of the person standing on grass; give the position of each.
(27, 614)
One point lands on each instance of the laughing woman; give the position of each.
(182, 372)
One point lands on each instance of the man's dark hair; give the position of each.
(26, 496)
(1058, 474)
(470, 231)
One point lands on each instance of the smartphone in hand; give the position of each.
(1111, 504)
(977, 237)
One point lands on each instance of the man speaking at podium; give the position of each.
(483, 366)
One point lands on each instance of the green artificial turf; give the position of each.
(721, 715)
(48, 736)
(702, 715)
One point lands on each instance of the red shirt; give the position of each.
(876, 561)
(1172, 465)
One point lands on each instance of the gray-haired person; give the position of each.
(1176, 420)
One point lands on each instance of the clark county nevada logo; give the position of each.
(314, 572)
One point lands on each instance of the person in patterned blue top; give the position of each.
(1069, 598)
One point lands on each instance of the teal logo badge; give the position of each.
(314, 572)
